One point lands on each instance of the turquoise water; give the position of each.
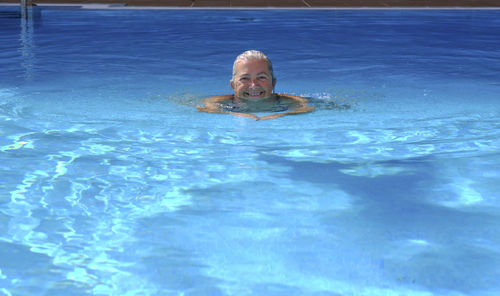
(111, 183)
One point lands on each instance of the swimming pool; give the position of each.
(111, 183)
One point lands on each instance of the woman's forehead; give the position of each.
(252, 66)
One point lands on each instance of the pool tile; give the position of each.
(268, 3)
(278, 3)
(209, 3)
(173, 3)
(399, 3)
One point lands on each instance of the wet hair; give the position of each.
(253, 54)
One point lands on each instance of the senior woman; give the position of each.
(253, 83)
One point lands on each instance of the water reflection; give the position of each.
(27, 38)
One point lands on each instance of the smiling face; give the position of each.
(253, 80)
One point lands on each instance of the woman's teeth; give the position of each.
(254, 93)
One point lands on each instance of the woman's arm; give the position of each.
(213, 104)
(299, 108)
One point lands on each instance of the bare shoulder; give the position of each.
(299, 104)
(217, 99)
(298, 99)
(213, 104)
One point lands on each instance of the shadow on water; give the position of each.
(20, 261)
(169, 261)
(393, 210)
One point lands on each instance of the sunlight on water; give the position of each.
(132, 173)
(111, 183)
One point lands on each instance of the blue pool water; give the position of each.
(111, 183)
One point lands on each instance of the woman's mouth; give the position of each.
(254, 93)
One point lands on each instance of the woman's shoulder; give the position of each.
(292, 97)
(218, 99)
